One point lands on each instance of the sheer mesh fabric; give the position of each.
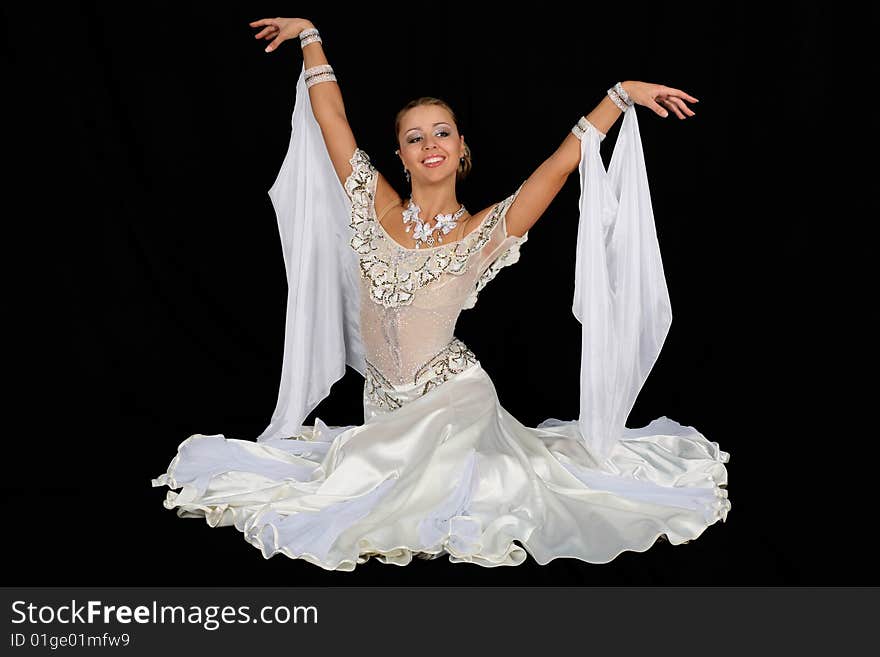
(401, 333)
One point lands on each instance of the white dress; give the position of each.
(439, 466)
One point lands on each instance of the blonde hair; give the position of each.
(464, 167)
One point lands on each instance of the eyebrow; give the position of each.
(436, 124)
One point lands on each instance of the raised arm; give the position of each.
(539, 190)
(325, 97)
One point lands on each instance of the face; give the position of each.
(428, 132)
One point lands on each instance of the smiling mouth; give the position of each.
(433, 161)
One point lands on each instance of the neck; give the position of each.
(434, 199)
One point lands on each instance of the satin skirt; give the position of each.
(452, 472)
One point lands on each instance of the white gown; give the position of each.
(439, 466)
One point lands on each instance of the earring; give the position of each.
(397, 152)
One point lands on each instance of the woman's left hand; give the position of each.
(653, 96)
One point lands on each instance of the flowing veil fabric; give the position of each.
(620, 297)
(322, 330)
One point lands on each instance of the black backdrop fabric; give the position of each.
(155, 308)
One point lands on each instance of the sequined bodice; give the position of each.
(411, 298)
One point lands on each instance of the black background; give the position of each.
(153, 305)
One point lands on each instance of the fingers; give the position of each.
(668, 103)
(271, 28)
(684, 108)
(267, 32)
(277, 42)
(677, 105)
(662, 112)
(682, 94)
(673, 99)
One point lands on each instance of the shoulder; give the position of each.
(495, 214)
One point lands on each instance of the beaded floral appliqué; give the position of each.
(394, 276)
(378, 389)
(509, 257)
(453, 359)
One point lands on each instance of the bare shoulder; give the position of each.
(476, 220)
(385, 193)
(485, 211)
(482, 215)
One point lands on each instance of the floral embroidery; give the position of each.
(378, 389)
(509, 257)
(453, 359)
(394, 272)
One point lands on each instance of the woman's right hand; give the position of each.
(280, 30)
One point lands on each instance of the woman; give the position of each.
(376, 281)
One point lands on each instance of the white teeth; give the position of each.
(431, 160)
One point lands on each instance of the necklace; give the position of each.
(424, 232)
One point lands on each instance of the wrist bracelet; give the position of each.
(309, 36)
(620, 97)
(620, 104)
(622, 93)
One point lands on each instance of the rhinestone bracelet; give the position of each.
(309, 36)
(581, 127)
(320, 77)
(620, 97)
(316, 70)
(622, 93)
(622, 106)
